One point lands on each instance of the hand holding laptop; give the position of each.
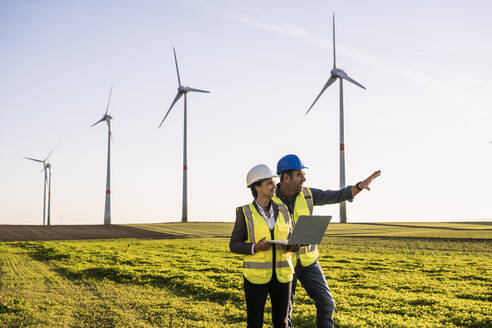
(294, 248)
(262, 245)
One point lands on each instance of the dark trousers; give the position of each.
(314, 282)
(256, 295)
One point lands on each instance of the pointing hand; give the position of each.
(365, 183)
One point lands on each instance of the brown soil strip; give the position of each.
(73, 232)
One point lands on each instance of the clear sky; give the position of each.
(425, 119)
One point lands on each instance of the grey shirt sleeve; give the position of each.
(324, 197)
(239, 234)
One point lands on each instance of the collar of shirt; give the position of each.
(287, 200)
(269, 220)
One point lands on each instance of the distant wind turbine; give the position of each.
(337, 73)
(107, 205)
(183, 91)
(47, 181)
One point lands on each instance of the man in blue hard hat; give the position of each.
(300, 200)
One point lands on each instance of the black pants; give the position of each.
(256, 295)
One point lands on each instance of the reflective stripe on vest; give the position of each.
(308, 249)
(309, 199)
(265, 265)
(285, 213)
(249, 218)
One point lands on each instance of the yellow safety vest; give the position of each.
(258, 268)
(303, 206)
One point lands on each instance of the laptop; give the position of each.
(309, 229)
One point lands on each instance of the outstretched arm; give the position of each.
(324, 197)
(364, 184)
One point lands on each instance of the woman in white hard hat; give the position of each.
(267, 268)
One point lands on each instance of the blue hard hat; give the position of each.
(289, 162)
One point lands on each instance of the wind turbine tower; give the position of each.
(182, 90)
(107, 205)
(47, 182)
(339, 74)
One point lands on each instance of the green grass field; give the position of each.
(377, 280)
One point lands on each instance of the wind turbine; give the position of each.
(47, 181)
(107, 205)
(339, 74)
(183, 91)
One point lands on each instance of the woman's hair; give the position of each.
(253, 189)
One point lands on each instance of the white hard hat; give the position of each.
(259, 172)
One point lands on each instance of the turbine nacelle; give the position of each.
(182, 89)
(106, 118)
(47, 166)
(337, 72)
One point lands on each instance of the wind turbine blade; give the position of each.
(102, 119)
(198, 90)
(33, 159)
(51, 152)
(174, 101)
(109, 99)
(334, 55)
(346, 77)
(177, 70)
(327, 84)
